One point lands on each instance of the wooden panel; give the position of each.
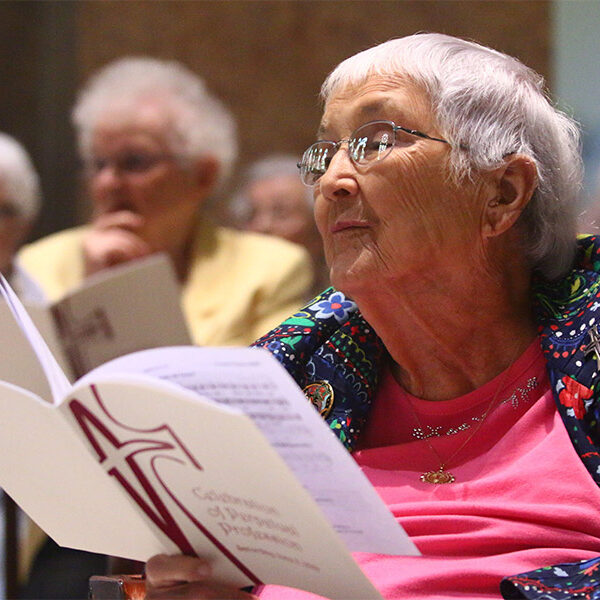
(268, 59)
(37, 79)
(265, 59)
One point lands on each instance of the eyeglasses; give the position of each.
(370, 142)
(128, 163)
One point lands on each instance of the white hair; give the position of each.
(488, 105)
(202, 126)
(19, 180)
(273, 165)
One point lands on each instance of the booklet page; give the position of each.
(57, 380)
(252, 381)
(120, 310)
(208, 480)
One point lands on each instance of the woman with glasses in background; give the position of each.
(20, 200)
(272, 199)
(155, 146)
(460, 346)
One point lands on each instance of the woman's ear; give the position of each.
(514, 184)
(205, 172)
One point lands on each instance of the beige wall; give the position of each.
(265, 59)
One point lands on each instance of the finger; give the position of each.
(126, 248)
(113, 246)
(98, 259)
(121, 219)
(164, 570)
(117, 256)
(113, 237)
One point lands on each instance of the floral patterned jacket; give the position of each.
(333, 354)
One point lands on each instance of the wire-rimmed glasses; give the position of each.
(370, 142)
(131, 163)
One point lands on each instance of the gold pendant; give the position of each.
(439, 476)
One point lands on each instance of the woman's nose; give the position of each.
(104, 183)
(106, 175)
(339, 180)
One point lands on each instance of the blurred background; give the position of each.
(266, 60)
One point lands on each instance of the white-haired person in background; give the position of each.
(20, 199)
(272, 199)
(156, 145)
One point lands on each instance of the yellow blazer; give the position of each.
(239, 286)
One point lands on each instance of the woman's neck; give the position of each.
(452, 335)
(180, 261)
(180, 248)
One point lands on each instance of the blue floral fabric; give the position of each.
(558, 582)
(329, 341)
(568, 317)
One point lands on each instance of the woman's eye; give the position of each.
(379, 144)
(135, 162)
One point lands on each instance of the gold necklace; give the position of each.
(442, 475)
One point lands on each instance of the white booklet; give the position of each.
(208, 451)
(117, 311)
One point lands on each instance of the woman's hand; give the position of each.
(186, 577)
(113, 239)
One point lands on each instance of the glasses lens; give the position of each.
(372, 141)
(137, 162)
(132, 162)
(315, 161)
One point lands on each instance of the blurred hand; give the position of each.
(186, 577)
(113, 239)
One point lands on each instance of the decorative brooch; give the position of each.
(320, 394)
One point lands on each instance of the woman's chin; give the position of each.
(349, 282)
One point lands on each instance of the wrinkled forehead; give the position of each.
(395, 97)
(149, 120)
(125, 113)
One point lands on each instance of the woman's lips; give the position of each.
(349, 224)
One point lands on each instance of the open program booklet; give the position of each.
(117, 311)
(209, 451)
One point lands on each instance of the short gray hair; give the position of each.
(272, 165)
(19, 180)
(488, 105)
(202, 125)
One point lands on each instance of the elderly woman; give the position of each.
(20, 199)
(464, 368)
(272, 199)
(156, 146)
